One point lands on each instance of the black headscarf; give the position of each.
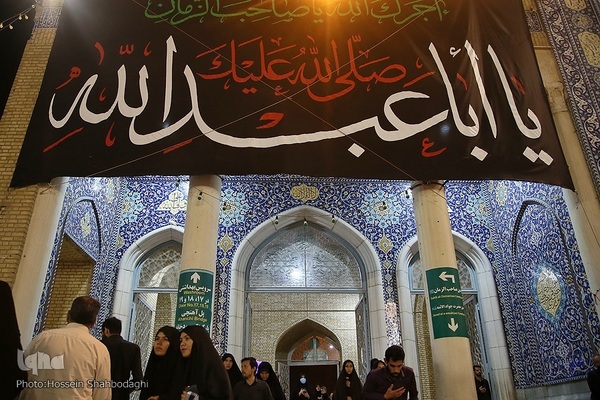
(272, 380)
(160, 370)
(234, 373)
(10, 343)
(375, 363)
(342, 391)
(203, 368)
(295, 393)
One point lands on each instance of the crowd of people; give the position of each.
(70, 362)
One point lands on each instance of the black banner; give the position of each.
(402, 89)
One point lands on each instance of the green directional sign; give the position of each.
(194, 298)
(446, 303)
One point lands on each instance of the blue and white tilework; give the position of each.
(549, 314)
(551, 327)
(88, 216)
(541, 282)
(573, 28)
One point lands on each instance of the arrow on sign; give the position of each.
(453, 325)
(195, 278)
(445, 277)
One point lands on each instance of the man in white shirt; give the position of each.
(69, 363)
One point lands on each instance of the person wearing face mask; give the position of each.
(303, 390)
(160, 369)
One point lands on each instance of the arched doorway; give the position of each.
(145, 296)
(357, 304)
(486, 330)
(80, 248)
(154, 294)
(468, 285)
(305, 272)
(309, 349)
(73, 276)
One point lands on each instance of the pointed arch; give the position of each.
(131, 257)
(93, 251)
(299, 332)
(339, 228)
(493, 327)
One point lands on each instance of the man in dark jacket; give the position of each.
(395, 381)
(251, 388)
(481, 384)
(125, 360)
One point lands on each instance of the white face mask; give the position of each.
(303, 380)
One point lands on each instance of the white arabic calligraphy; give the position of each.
(402, 129)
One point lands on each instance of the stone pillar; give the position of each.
(199, 253)
(29, 282)
(450, 347)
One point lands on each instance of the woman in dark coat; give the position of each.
(267, 374)
(348, 385)
(162, 362)
(200, 369)
(10, 341)
(233, 370)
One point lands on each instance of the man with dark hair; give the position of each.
(481, 384)
(251, 388)
(125, 360)
(395, 381)
(69, 363)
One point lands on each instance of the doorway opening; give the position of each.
(72, 278)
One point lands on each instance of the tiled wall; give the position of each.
(485, 212)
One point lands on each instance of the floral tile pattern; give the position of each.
(523, 228)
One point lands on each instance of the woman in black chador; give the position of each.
(162, 362)
(233, 370)
(348, 385)
(267, 374)
(201, 370)
(10, 340)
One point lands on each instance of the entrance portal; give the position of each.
(316, 375)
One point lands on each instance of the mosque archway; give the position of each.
(311, 349)
(486, 330)
(314, 270)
